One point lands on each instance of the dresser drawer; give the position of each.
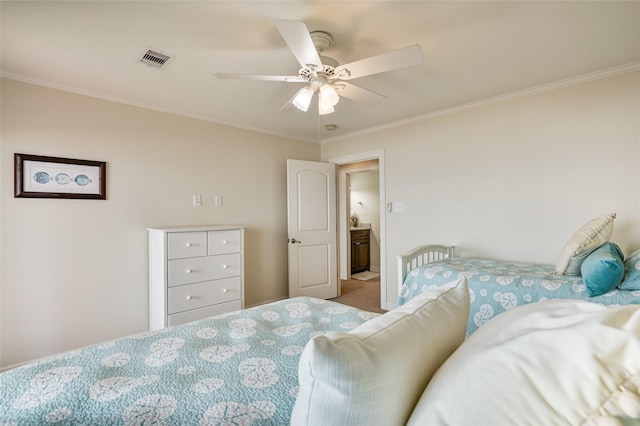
(198, 269)
(208, 311)
(186, 244)
(221, 242)
(193, 296)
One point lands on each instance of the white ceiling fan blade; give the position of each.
(298, 39)
(358, 94)
(400, 58)
(236, 76)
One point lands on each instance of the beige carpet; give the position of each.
(361, 294)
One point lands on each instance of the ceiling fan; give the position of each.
(324, 75)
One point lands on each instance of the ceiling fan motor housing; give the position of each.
(321, 40)
(328, 70)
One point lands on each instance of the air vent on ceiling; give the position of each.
(155, 59)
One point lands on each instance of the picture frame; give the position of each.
(38, 176)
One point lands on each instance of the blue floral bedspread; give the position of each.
(239, 368)
(496, 286)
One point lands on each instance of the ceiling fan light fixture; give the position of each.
(324, 108)
(328, 95)
(302, 100)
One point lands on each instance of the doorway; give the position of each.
(363, 187)
(363, 167)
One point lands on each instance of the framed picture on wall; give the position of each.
(37, 176)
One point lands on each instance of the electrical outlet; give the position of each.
(398, 207)
(197, 201)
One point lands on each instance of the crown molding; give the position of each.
(125, 101)
(535, 90)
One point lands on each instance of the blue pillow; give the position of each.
(632, 272)
(603, 269)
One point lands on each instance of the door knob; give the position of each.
(293, 240)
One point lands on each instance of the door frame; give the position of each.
(343, 214)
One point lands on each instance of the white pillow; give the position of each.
(375, 374)
(589, 237)
(557, 362)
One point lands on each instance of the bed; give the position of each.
(310, 362)
(237, 368)
(494, 286)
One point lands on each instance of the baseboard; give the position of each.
(373, 268)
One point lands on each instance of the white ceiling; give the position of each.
(473, 51)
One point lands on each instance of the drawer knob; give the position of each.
(225, 266)
(189, 297)
(224, 290)
(188, 271)
(188, 244)
(225, 242)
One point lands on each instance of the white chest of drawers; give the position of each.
(194, 272)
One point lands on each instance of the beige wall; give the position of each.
(513, 180)
(74, 272)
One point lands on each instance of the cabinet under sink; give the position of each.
(360, 248)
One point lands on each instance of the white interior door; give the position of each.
(311, 198)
